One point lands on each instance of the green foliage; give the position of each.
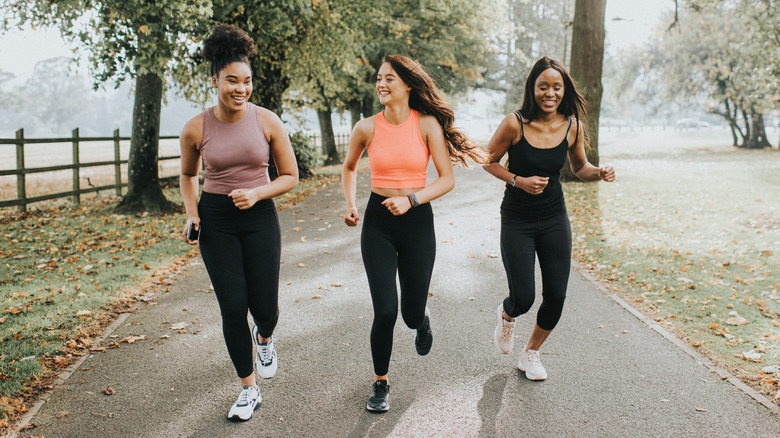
(124, 39)
(305, 153)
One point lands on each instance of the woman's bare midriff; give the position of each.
(389, 193)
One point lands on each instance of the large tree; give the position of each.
(587, 59)
(729, 69)
(134, 39)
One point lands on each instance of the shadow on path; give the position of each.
(490, 403)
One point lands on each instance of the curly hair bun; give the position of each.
(227, 44)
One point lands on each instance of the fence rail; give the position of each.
(76, 165)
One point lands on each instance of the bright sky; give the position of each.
(20, 50)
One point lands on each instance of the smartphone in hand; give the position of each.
(192, 233)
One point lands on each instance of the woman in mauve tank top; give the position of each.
(534, 223)
(397, 235)
(235, 221)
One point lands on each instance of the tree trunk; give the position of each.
(368, 105)
(746, 137)
(732, 123)
(354, 111)
(758, 138)
(328, 139)
(144, 192)
(587, 56)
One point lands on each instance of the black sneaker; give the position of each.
(424, 339)
(380, 394)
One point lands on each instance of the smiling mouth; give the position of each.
(239, 99)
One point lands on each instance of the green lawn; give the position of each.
(690, 233)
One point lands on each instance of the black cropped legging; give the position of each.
(405, 245)
(241, 250)
(550, 240)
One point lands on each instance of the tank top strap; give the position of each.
(522, 124)
(568, 128)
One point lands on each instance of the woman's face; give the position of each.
(390, 87)
(548, 90)
(234, 86)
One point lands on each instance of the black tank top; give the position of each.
(526, 160)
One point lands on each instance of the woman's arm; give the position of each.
(358, 142)
(505, 136)
(284, 158)
(189, 141)
(580, 165)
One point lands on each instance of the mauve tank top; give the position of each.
(235, 155)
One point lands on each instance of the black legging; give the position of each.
(550, 240)
(241, 250)
(404, 244)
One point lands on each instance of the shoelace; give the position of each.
(506, 328)
(380, 391)
(244, 397)
(266, 357)
(533, 358)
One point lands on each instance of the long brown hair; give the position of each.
(426, 98)
(572, 104)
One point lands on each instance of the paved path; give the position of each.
(611, 375)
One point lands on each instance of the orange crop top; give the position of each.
(397, 155)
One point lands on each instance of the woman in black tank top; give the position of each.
(534, 223)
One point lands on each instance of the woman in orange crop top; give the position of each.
(398, 235)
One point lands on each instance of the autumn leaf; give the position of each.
(132, 339)
(108, 390)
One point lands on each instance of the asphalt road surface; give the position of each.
(610, 373)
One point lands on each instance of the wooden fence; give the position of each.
(76, 164)
(21, 172)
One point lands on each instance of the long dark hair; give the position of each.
(572, 104)
(426, 98)
(227, 44)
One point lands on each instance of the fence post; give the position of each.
(117, 165)
(76, 168)
(21, 191)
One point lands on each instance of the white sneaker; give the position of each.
(503, 336)
(530, 363)
(266, 360)
(247, 402)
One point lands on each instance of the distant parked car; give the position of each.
(692, 123)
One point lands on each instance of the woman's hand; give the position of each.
(397, 205)
(533, 184)
(607, 174)
(195, 221)
(352, 217)
(244, 198)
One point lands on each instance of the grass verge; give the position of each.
(689, 234)
(68, 271)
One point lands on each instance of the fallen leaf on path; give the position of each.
(701, 410)
(62, 415)
(316, 296)
(178, 325)
(132, 339)
(108, 390)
